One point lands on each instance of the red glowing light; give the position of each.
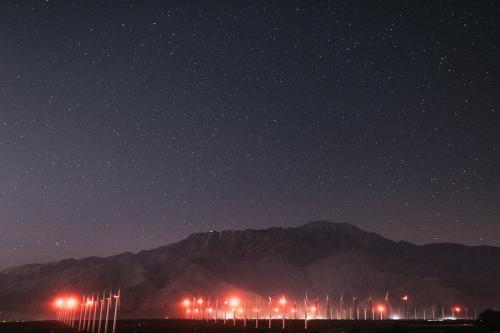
(313, 309)
(200, 301)
(283, 300)
(276, 310)
(59, 302)
(186, 303)
(381, 308)
(234, 302)
(457, 309)
(210, 310)
(71, 303)
(405, 297)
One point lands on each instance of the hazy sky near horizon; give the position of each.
(126, 125)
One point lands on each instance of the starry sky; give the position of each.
(128, 125)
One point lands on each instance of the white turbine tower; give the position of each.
(117, 304)
(216, 308)
(95, 303)
(341, 305)
(270, 314)
(327, 310)
(101, 306)
(108, 303)
(305, 312)
(85, 305)
(355, 304)
(90, 303)
(372, 310)
(387, 304)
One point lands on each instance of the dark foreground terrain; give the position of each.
(191, 326)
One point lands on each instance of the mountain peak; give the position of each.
(323, 225)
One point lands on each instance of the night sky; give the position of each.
(129, 125)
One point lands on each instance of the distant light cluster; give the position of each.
(232, 308)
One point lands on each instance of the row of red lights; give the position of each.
(66, 302)
(234, 303)
(87, 313)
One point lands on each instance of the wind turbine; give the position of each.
(216, 309)
(94, 305)
(283, 303)
(73, 323)
(355, 304)
(405, 299)
(370, 302)
(117, 304)
(81, 313)
(101, 302)
(387, 304)
(108, 302)
(305, 312)
(90, 304)
(294, 310)
(207, 308)
(86, 319)
(84, 304)
(341, 305)
(225, 312)
(270, 314)
(316, 308)
(327, 310)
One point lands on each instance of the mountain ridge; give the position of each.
(320, 256)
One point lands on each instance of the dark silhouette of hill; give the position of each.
(320, 257)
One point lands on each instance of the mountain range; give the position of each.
(319, 257)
